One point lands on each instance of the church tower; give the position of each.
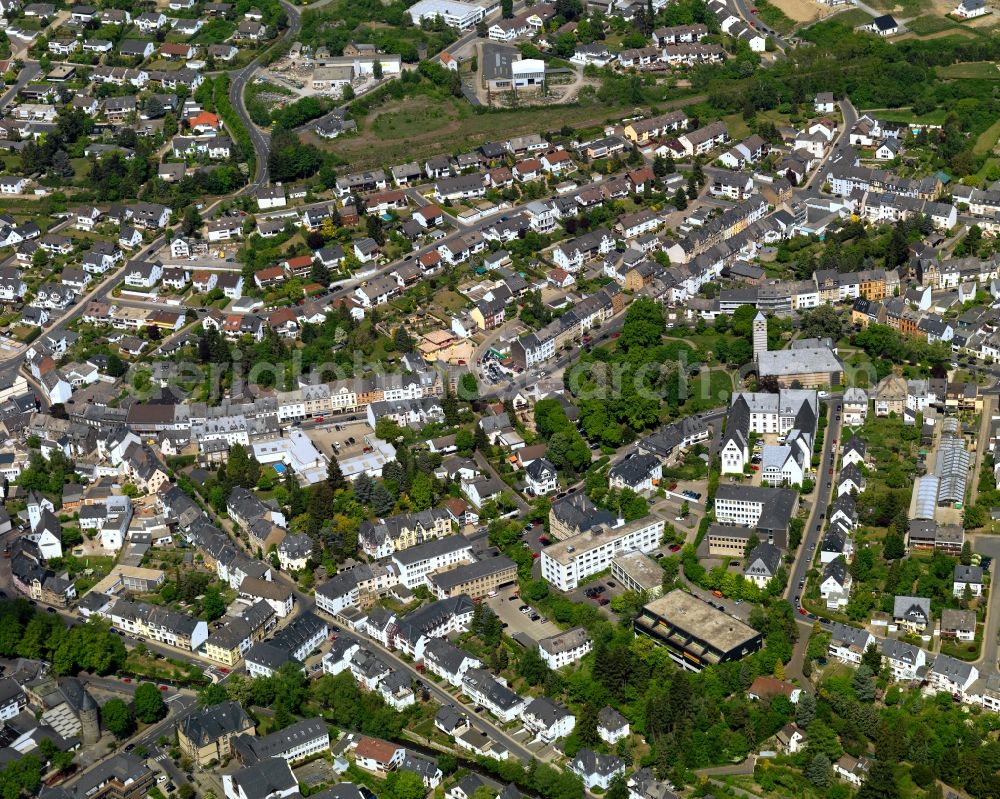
(759, 335)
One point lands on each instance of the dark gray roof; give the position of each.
(968, 574)
(425, 619)
(430, 549)
(212, 723)
(634, 469)
(763, 561)
(587, 761)
(481, 568)
(266, 778)
(579, 513)
(253, 749)
(545, 710)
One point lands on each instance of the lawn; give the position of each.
(215, 32)
(420, 127)
(774, 17)
(903, 8)
(737, 125)
(852, 18)
(906, 115)
(930, 23)
(987, 139)
(708, 390)
(972, 70)
(81, 167)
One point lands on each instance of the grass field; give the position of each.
(737, 125)
(987, 139)
(905, 115)
(971, 70)
(420, 127)
(774, 17)
(903, 8)
(930, 23)
(852, 18)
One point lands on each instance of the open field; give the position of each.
(960, 32)
(987, 140)
(852, 17)
(420, 127)
(906, 116)
(903, 8)
(971, 70)
(782, 15)
(930, 23)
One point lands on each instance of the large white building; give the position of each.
(417, 563)
(791, 413)
(455, 14)
(567, 562)
(564, 648)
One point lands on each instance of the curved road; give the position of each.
(260, 139)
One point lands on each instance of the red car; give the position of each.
(674, 547)
(164, 688)
(802, 611)
(126, 679)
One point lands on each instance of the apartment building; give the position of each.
(567, 562)
(415, 565)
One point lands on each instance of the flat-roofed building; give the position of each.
(567, 562)
(477, 579)
(638, 572)
(695, 633)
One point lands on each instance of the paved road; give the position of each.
(838, 147)
(814, 533)
(443, 697)
(28, 73)
(990, 545)
(260, 139)
(744, 11)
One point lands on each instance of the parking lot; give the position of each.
(332, 441)
(507, 609)
(599, 593)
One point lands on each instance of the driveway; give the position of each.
(517, 622)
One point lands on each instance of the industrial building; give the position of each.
(695, 633)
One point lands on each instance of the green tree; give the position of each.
(422, 491)
(212, 605)
(404, 785)
(679, 200)
(468, 388)
(334, 476)
(618, 788)
(363, 489)
(382, 500)
(191, 223)
(213, 694)
(805, 710)
(880, 783)
(819, 770)
(117, 718)
(149, 704)
(863, 683)
(872, 658)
